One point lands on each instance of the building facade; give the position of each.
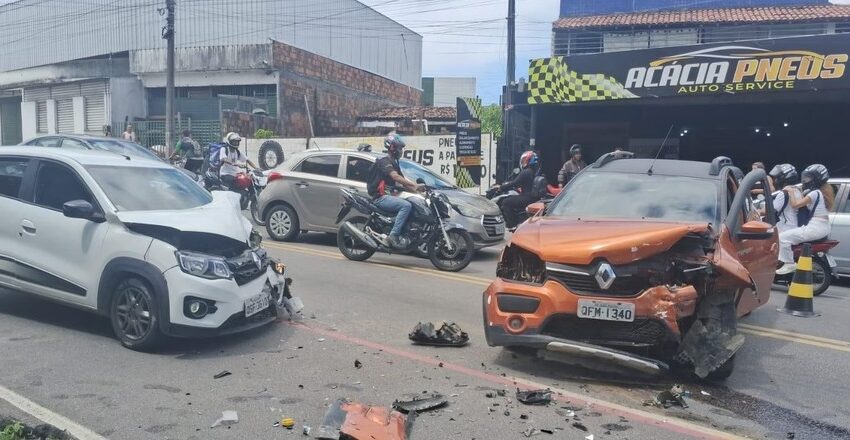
(444, 91)
(72, 67)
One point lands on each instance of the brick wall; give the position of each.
(337, 94)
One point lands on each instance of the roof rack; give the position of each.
(718, 164)
(612, 156)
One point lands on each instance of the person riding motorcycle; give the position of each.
(190, 150)
(524, 183)
(383, 184)
(818, 197)
(572, 166)
(232, 161)
(784, 175)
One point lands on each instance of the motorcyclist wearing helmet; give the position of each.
(232, 160)
(818, 197)
(524, 184)
(785, 176)
(383, 185)
(572, 166)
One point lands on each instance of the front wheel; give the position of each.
(133, 315)
(821, 276)
(351, 247)
(282, 223)
(454, 255)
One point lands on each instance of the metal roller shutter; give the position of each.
(35, 95)
(95, 106)
(41, 117)
(65, 91)
(65, 116)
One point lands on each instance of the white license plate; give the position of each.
(831, 260)
(256, 304)
(500, 229)
(606, 310)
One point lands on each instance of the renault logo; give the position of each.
(605, 276)
(258, 261)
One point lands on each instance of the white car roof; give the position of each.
(83, 157)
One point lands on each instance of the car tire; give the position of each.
(133, 314)
(282, 223)
(270, 155)
(724, 371)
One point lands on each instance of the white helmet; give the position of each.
(233, 139)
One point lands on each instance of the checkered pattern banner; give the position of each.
(474, 106)
(551, 82)
(463, 178)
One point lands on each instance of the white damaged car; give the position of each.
(134, 240)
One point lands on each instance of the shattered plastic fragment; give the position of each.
(419, 404)
(222, 374)
(358, 364)
(306, 430)
(534, 397)
(440, 334)
(227, 418)
(530, 432)
(287, 422)
(668, 398)
(580, 426)
(346, 419)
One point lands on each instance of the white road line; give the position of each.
(48, 416)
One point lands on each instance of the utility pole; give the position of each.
(511, 42)
(168, 35)
(507, 128)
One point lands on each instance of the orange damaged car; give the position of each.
(638, 264)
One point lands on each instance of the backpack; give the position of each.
(540, 187)
(215, 154)
(804, 215)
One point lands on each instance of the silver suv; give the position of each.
(303, 195)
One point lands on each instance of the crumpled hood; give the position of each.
(221, 217)
(579, 242)
(486, 206)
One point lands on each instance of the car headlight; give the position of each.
(204, 266)
(518, 264)
(468, 210)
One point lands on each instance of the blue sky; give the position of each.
(468, 37)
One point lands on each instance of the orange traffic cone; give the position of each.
(799, 301)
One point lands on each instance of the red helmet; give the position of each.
(529, 158)
(243, 181)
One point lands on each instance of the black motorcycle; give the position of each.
(450, 247)
(545, 193)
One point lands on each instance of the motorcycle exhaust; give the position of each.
(361, 236)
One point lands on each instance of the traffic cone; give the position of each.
(800, 294)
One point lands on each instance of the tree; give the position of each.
(491, 120)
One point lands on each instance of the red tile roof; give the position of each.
(436, 113)
(705, 16)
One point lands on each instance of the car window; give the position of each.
(358, 168)
(11, 176)
(148, 189)
(414, 172)
(56, 185)
(73, 144)
(595, 195)
(52, 142)
(327, 165)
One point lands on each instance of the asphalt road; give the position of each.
(789, 376)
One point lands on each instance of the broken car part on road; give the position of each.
(534, 397)
(667, 398)
(447, 334)
(352, 420)
(420, 403)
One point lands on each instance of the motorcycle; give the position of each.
(823, 266)
(450, 246)
(546, 191)
(249, 186)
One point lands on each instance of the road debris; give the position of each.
(346, 420)
(287, 422)
(222, 374)
(420, 403)
(306, 431)
(321, 339)
(580, 426)
(668, 398)
(705, 393)
(227, 418)
(534, 397)
(446, 334)
(530, 432)
(357, 364)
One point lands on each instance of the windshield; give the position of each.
(148, 189)
(638, 196)
(125, 148)
(414, 171)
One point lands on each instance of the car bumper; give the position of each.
(548, 314)
(229, 301)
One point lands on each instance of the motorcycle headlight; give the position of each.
(468, 210)
(204, 266)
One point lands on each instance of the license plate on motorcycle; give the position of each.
(831, 260)
(256, 304)
(606, 310)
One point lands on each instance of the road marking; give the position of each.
(47, 416)
(815, 341)
(663, 422)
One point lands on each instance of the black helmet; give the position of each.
(393, 143)
(814, 176)
(783, 174)
(575, 149)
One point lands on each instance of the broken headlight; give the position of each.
(204, 266)
(518, 264)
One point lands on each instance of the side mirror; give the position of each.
(756, 230)
(82, 209)
(535, 208)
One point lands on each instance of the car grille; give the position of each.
(490, 222)
(582, 284)
(641, 332)
(244, 267)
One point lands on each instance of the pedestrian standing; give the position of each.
(129, 134)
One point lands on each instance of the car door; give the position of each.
(757, 253)
(13, 175)
(316, 188)
(840, 220)
(356, 171)
(62, 253)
